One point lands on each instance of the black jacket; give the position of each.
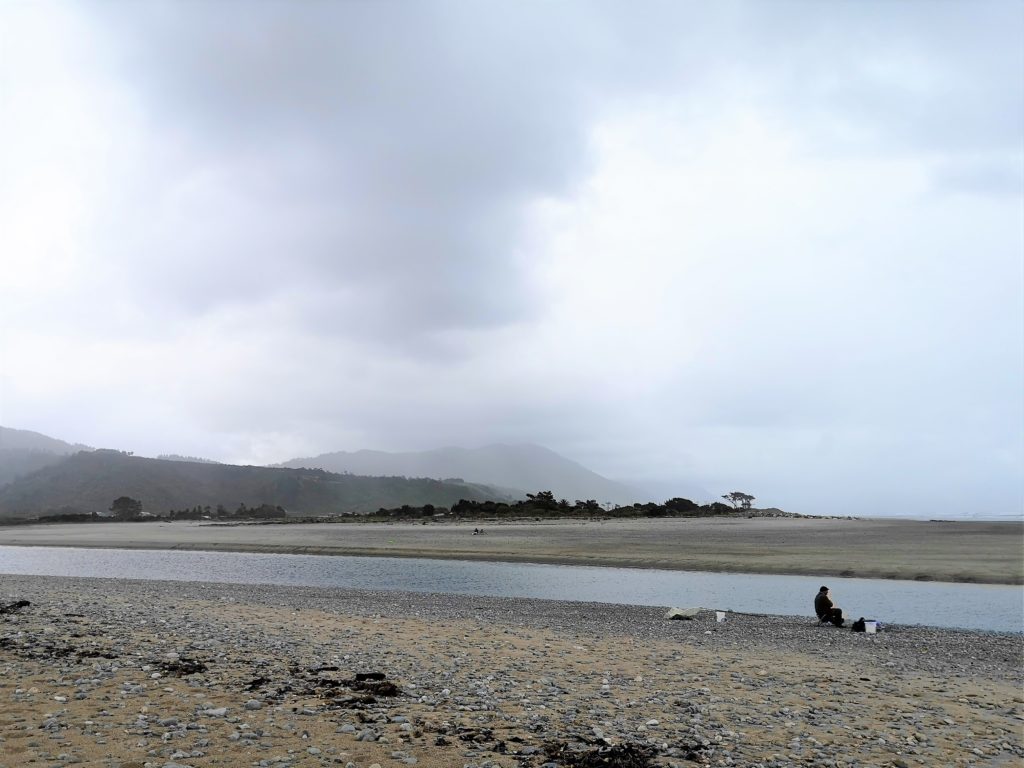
(822, 604)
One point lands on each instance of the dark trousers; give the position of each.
(833, 615)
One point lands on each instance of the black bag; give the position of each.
(858, 625)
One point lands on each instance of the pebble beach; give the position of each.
(145, 674)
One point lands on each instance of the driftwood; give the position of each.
(14, 607)
(619, 756)
(683, 614)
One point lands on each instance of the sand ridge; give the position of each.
(868, 548)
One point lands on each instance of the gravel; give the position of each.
(144, 674)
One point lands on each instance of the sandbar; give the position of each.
(982, 552)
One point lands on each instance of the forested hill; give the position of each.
(23, 452)
(89, 482)
(519, 467)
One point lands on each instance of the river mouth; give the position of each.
(988, 607)
(987, 553)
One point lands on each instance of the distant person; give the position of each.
(826, 610)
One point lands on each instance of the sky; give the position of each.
(698, 247)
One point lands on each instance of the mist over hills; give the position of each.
(26, 440)
(179, 457)
(23, 452)
(90, 481)
(522, 468)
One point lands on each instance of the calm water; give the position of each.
(974, 606)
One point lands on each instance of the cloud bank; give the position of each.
(767, 247)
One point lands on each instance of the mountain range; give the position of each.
(23, 452)
(89, 481)
(515, 468)
(43, 475)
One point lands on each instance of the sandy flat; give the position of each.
(987, 552)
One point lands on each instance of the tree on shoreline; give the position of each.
(739, 499)
(126, 508)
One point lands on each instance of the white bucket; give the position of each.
(720, 617)
(871, 627)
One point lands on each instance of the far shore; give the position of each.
(980, 552)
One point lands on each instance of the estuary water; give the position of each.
(971, 606)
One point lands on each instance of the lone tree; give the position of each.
(125, 507)
(739, 500)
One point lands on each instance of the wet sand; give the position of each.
(984, 552)
(124, 674)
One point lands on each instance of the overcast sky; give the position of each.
(771, 247)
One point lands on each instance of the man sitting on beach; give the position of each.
(826, 610)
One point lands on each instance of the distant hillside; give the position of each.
(26, 440)
(178, 457)
(520, 467)
(89, 482)
(23, 452)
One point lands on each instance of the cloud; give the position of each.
(982, 175)
(385, 150)
(741, 244)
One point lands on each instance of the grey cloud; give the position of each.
(986, 176)
(387, 148)
(315, 238)
(396, 144)
(893, 77)
(390, 148)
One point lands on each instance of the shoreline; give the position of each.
(978, 553)
(235, 674)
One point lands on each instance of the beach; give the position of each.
(983, 552)
(129, 674)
